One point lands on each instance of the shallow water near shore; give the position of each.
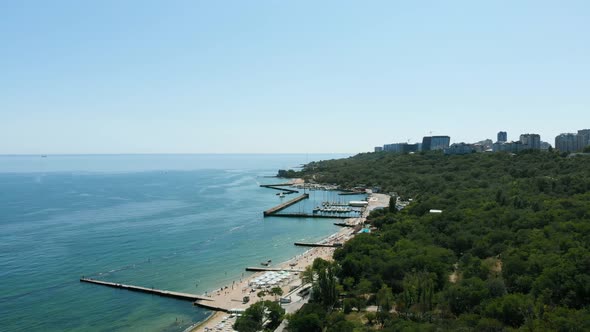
(188, 223)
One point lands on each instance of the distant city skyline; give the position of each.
(116, 77)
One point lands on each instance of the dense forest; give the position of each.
(510, 251)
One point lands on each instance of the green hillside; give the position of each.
(511, 250)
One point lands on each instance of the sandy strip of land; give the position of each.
(231, 296)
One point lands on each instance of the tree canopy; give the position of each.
(510, 250)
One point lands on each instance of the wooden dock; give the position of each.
(343, 224)
(324, 245)
(274, 210)
(352, 193)
(176, 295)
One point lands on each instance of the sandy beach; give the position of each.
(231, 296)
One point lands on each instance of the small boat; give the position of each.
(281, 195)
(265, 263)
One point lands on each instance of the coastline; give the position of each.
(209, 318)
(230, 296)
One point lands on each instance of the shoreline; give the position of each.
(211, 316)
(301, 260)
(232, 294)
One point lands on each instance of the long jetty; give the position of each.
(269, 269)
(324, 245)
(274, 210)
(177, 295)
(209, 306)
(278, 187)
(352, 193)
(309, 215)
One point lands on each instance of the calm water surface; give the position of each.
(180, 222)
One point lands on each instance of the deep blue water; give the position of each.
(180, 222)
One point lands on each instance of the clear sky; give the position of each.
(116, 76)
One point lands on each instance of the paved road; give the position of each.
(296, 304)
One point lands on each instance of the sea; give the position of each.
(188, 223)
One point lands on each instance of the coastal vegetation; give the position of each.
(510, 250)
(260, 316)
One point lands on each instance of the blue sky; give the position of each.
(286, 76)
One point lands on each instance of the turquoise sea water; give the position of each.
(179, 222)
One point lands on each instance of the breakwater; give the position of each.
(166, 293)
(309, 215)
(278, 187)
(274, 210)
(323, 245)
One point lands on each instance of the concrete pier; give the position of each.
(278, 187)
(308, 215)
(325, 245)
(265, 269)
(160, 292)
(280, 207)
(198, 303)
(352, 193)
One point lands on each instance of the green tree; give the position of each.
(276, 291)
(371, 317)
(324, 289)
(310, 318)
(466, 295)
(392, 207)
(308, 275)
(510, 309)
(253, 318)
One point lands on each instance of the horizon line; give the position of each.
(173, 153)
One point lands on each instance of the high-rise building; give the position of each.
(460, 148)
(378, 148)
(502, 136)
(440, 142)
(431, 143)
(583, 139)
(401, 147)
(567, 142)
(406, 148)
(531, 141)
(512, 147)
(570, 142)
(426, 141)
